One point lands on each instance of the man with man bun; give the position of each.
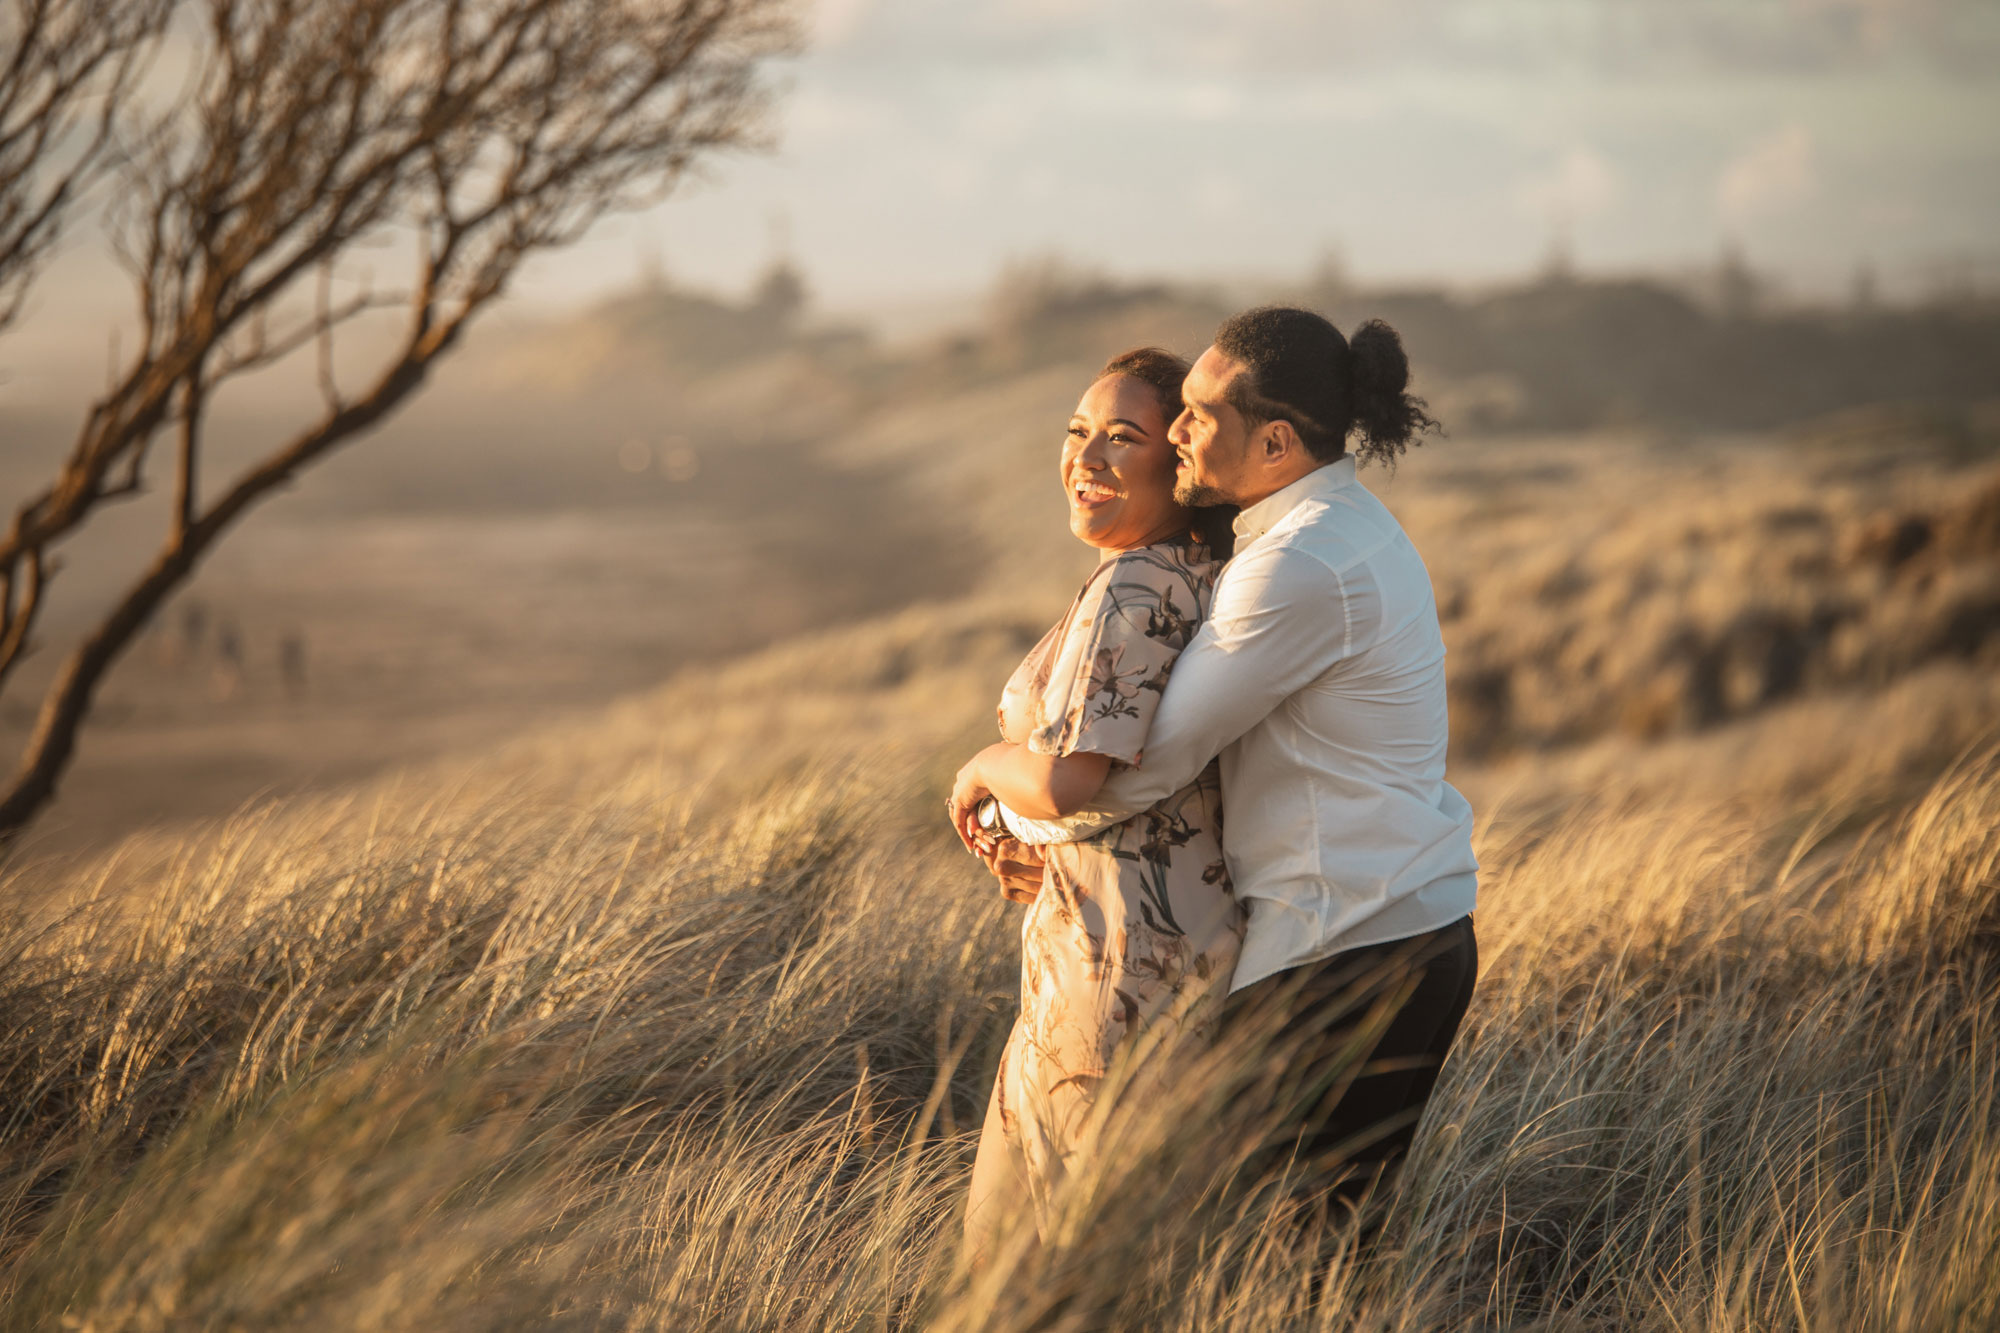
(1319, 680)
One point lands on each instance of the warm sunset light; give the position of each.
(1210, 664)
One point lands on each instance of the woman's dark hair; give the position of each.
(1299, 369)
(1164, 373)
(1161, 370)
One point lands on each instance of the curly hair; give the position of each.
(1159, 369)
(1299, 369)
(1164, 373)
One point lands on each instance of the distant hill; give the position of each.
(1559, 352)
(611, 405)
(1564, 353)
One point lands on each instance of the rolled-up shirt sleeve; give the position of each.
(1281, 618)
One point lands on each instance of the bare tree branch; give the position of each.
(187, 472)
(69, 68)
(14, 638)
(484, 130)
(260, 348)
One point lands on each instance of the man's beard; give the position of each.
(1194, 495)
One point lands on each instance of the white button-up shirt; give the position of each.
(1319, 679)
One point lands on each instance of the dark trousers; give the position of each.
(1353, 1047)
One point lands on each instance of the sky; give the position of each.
(924, 144)
(921, 146)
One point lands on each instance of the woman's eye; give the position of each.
(1077, 432)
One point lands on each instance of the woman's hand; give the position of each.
(1039, 786)
(967, 791)
(1018, 867)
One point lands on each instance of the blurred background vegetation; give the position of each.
(1660, 505)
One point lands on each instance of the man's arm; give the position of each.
(1280, 619)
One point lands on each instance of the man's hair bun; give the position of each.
(1386, 418)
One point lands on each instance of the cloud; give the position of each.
(1432, 137)
(835, 22)
(1774, 173)
(1263, 39)
(1583, 184)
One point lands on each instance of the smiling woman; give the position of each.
(1132, 934)
(1117, 465)
(1119, 468)
(1116, 408)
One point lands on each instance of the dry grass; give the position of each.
(605, 1033)
(1593, 586)
(685, 1019)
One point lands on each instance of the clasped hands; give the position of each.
(1015, 864)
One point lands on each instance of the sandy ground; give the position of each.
(316, 651)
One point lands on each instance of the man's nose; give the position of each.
(1177, 434)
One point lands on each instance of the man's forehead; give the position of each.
(1209, 379)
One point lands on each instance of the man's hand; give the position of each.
(1018, 867)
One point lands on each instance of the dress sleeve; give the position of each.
(1132, 621)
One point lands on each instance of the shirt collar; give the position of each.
(1261, 517)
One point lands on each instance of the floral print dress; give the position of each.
(1133, 938)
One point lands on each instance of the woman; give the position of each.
(1132, 936)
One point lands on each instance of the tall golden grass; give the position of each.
(600, 1035)
(686, 1020)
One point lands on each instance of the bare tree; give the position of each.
(476, 132)
(66, 69)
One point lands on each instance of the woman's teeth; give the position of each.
(1092, 493)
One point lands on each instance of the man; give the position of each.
(1319, 680)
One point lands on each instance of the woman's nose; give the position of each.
(1092, 453)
